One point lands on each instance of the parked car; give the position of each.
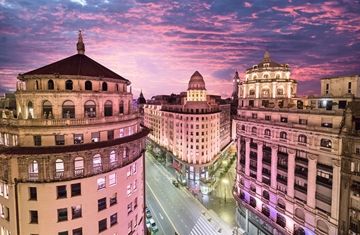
(148, 213)
(175, 183)
(153, 225)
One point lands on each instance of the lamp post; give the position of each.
(225, 182)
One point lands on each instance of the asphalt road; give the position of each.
(175, 209)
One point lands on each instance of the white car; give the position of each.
(153, 225)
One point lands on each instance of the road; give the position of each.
(175, 209)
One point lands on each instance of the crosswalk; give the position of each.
(204, 227)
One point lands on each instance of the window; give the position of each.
(267, 117)
(254, 115)
(61, 191)
(251, 92)
(135, 203)
(113, 199)
(110, 134)
(68, 109)
(50, 85)
(95, 136)
(104, 86)
(68, 85)
(76, 211)
(129, 207)
(112, 179)
(267, 132)
(284, 119)
(342, 104)
(63, 233)
(88, 86)
(59, 139)
(59, 168)
(302, 139)
(349, 87)
(128, 190)
(78, 138)
(77, 231)
(101, 183)
(113, 158)
(90, 109)
(283, 135)
(327, 89)
(108, 109)
(253, 130)
(30, 110)
(121, 107)
(33, 217)
(102, 204)
(303, 121)
(326, 143)
(280, 91)
(62, 214)
(97, 166)
(47, 109)
(102, 225)
(113, 219)
(78, 166)
(37, 140)
(75, 189)
(32, 193)
(34, 169)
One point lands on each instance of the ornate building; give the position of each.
(290, 152)
(193, 126)
(71, 157)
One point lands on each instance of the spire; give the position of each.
(267, 56)
(236, 76)
(80, 46)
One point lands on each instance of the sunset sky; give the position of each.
(158, 45)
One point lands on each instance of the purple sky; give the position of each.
(158, 45)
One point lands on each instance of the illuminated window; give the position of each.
(112, 179)
(78, 166)
(47, 109)
(34, 170)
(101, 183)
(97, 165)
(76, 211)
(59, 168)
(326, 143)
(90, 109)
(68, 109)
(95, 136)
(112, 158)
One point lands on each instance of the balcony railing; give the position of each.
(33, 175)
(59, 174)
(79, 172)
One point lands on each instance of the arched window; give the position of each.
(47, 109)
(265, 92)
(252, 202)
(90, 109)
(117, 87)
(68, 85)
(281, 204)
(280, 220)
(267, 132)
(266, 195)
(50, 85)
(252, 92)
(104, 86)
(78, 166)
(88, 86)
(121, 107)
(265, 210)
(283, 135)
(59, 168)
(30, 110)
(113, 158)
(299, 231)
(300, 214)
(280, 91)
(254, 77)
(302, 139)
(326, 143)
(36, 85)
(277, 75)
(322, 226)
(97, 166)
(243, 127)
(68, 109)
(108, 110)
(33, 170)
(253, 130)
(266, 76)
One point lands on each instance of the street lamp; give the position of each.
(225, 182)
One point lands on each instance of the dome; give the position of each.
(196, 82)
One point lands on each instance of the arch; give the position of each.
(121, 107)
(104, 86)
(277, 75)
(69, 85)
(326, 143)
(50, 85)
(30, 109)
(88, 86)
(68, 109)
(267, 132)
(302, 139)
(78, 166)
(322, 226)
(266, 195)
(251, 92)
(265, 92)
(266, 76)
(90, 109)
(59, 168)
(280, 91)
(112, 158)
(254, 77)
(299, 230)
(34, 167)
(299, 214)
(283, 135)
(254, 130)
(108, 109)
(47, 109)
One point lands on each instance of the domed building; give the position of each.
(193, 127)
(71, 157)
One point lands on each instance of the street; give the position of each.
(175, 209)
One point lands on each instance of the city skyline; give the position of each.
(162, 43)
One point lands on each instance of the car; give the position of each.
(175, 183)
(153, 225)
(148, 213)
(148, 223)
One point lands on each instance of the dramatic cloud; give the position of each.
(158, 44)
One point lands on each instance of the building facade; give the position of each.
(71, 157)
(290, 152)
(192, 126)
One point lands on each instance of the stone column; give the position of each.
(291, 173)
(311, 182)
(335, 194)
(247, 156)
(274, 159)
(259, 161)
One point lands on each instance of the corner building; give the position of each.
(290, 151)
(71, 157)
(193, 126)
